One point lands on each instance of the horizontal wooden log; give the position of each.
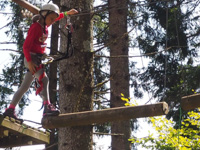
(105, 115)
(27, 5)
(190, 102)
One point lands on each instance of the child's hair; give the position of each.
(35, 18)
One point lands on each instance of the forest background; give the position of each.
(164, 32)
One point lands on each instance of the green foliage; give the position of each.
(12, 74)
(167, 137)
(168, 30)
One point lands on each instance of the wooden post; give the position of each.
(105, 115)
(27, 5)
(190, 102)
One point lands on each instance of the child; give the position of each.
(33, 48)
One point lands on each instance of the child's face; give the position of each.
(51, 19)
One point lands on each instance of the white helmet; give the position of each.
(48, 8)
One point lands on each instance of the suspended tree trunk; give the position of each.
(119, 69)
(76, 78)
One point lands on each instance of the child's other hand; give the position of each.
(32, 67)
(72, 12)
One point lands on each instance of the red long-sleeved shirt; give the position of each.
(35, 40)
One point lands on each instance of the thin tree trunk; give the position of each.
(119, 69)
(53, 66)
(76, 78)
(53, 76)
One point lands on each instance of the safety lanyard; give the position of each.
(68, 53)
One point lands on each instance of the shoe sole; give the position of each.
(16, 119)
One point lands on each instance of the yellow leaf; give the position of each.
(127, 104)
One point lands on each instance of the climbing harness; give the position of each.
(47, 59)
(44, 59)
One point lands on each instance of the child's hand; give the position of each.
(72, 12)
(32, 67)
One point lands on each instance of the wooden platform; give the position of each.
(14, 134)
(190, 102)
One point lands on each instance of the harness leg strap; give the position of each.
(40, 88)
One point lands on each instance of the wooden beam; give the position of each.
(16, 134)
(14, 141)
(105, 115)
(190, 102)
(3, 132)
(27, 5)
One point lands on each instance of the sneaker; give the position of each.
(50, 110)
(11, 113)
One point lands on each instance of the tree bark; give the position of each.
(53, 78)
(54, 66)
(76, 78)
(119, 69)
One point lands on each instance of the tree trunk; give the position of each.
(76, 78)
(119, 69)
(53, 66)
(53, 77)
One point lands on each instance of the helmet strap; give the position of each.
(44, 17)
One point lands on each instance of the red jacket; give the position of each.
(35, 40)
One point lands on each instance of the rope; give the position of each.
(166, 45)
(140, 3)
(180, 110)
(31, 121)
(180, 120)
(116, 40)
(24, 127)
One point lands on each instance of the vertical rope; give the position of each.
(181, 56)
(180, 120)
(166, 45)
(143, 68)
(178, 42)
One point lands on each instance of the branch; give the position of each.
(6, 25)
(6, 13)
(148, 54)
(112, 134)
(8, 43)
(12, 50)
(101, 84)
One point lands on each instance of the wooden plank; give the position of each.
(27, 5)
(21, 133)
(190, 102)
(106, 115)
(3, 132)
(15, 141)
